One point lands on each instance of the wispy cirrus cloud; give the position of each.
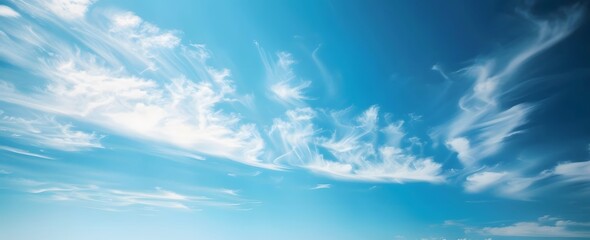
(321, 186)
(24, 152)
(56, 10)
(545, 226)
(142, 34)
(113, 199)
(167, 93)
(282, 81)
(68, 9)
(482, 180)
(438, 68)
(353, 151)
(573, 171)
(328, 80)
(293, 136)
(483, 123)
(172, 100)
(47, 132)
(516, 185)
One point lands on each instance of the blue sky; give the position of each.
(294, 120)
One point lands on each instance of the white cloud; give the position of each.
(6, 11)
(573, 171)
(68, 9)
(482, 180)
(166, 92)
(508, 184)
(126, 20)
(289, 93)
(142, 34)
(229, 192)
(321, 186)
(113, 199)
(482, 121)
(281, 79)
(461, 146)
(518, 186)
(353, 151)
(47, 132)
(293, 136)
(541, 228)
(438, 68)
(24, 152)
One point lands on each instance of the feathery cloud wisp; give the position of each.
(353, 151)
(483, 124)
(321, 186)
(173, 100)
(112, 199)
(283, 85)
(47, 132)
(541, 228)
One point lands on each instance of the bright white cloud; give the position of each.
(176, 102)
(289, 93)
(461, 146)
(68, 9)
(6, 11)
(541, 228)
(167, 93)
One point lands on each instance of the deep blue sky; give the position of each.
(294, 120)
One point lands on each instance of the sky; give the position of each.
(294, 120)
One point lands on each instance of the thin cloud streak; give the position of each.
(94, 196)
(24, 152)
(329, 83)
(321, 186)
